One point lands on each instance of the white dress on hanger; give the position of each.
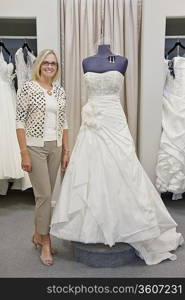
(171, 157)
(23, 69)
(10, 158)
(106, 196)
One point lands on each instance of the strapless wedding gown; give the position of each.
(171, 157)
(10, 158)
(106, 196)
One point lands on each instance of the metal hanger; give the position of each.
(25, 45)
(177, 45)
(2, 46)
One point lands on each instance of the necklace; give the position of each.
(49, 92)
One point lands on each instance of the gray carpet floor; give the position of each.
(18, 257)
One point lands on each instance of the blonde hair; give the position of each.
(38, 62)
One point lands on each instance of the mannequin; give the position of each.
(106, 196)
(105, 61)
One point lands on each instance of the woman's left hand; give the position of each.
(65, 162)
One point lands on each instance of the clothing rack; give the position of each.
(175, 37)
(18, 37)
(21, 41)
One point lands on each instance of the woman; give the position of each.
(42, 133)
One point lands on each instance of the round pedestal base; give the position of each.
(102, 256)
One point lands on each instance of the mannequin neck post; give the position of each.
(104, 50)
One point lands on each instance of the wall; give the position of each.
(153, 39)
(47, 14)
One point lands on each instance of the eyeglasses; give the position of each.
(46, 63)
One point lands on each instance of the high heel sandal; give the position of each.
(46, 261)
(39, 244)
(36, 242)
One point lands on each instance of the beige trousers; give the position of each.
(45, 164)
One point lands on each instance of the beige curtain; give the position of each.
(84, 25)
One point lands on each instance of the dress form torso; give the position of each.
(105, 61)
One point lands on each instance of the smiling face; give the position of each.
(49, 67)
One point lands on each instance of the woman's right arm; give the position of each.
(22, 108)
(26, 160)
